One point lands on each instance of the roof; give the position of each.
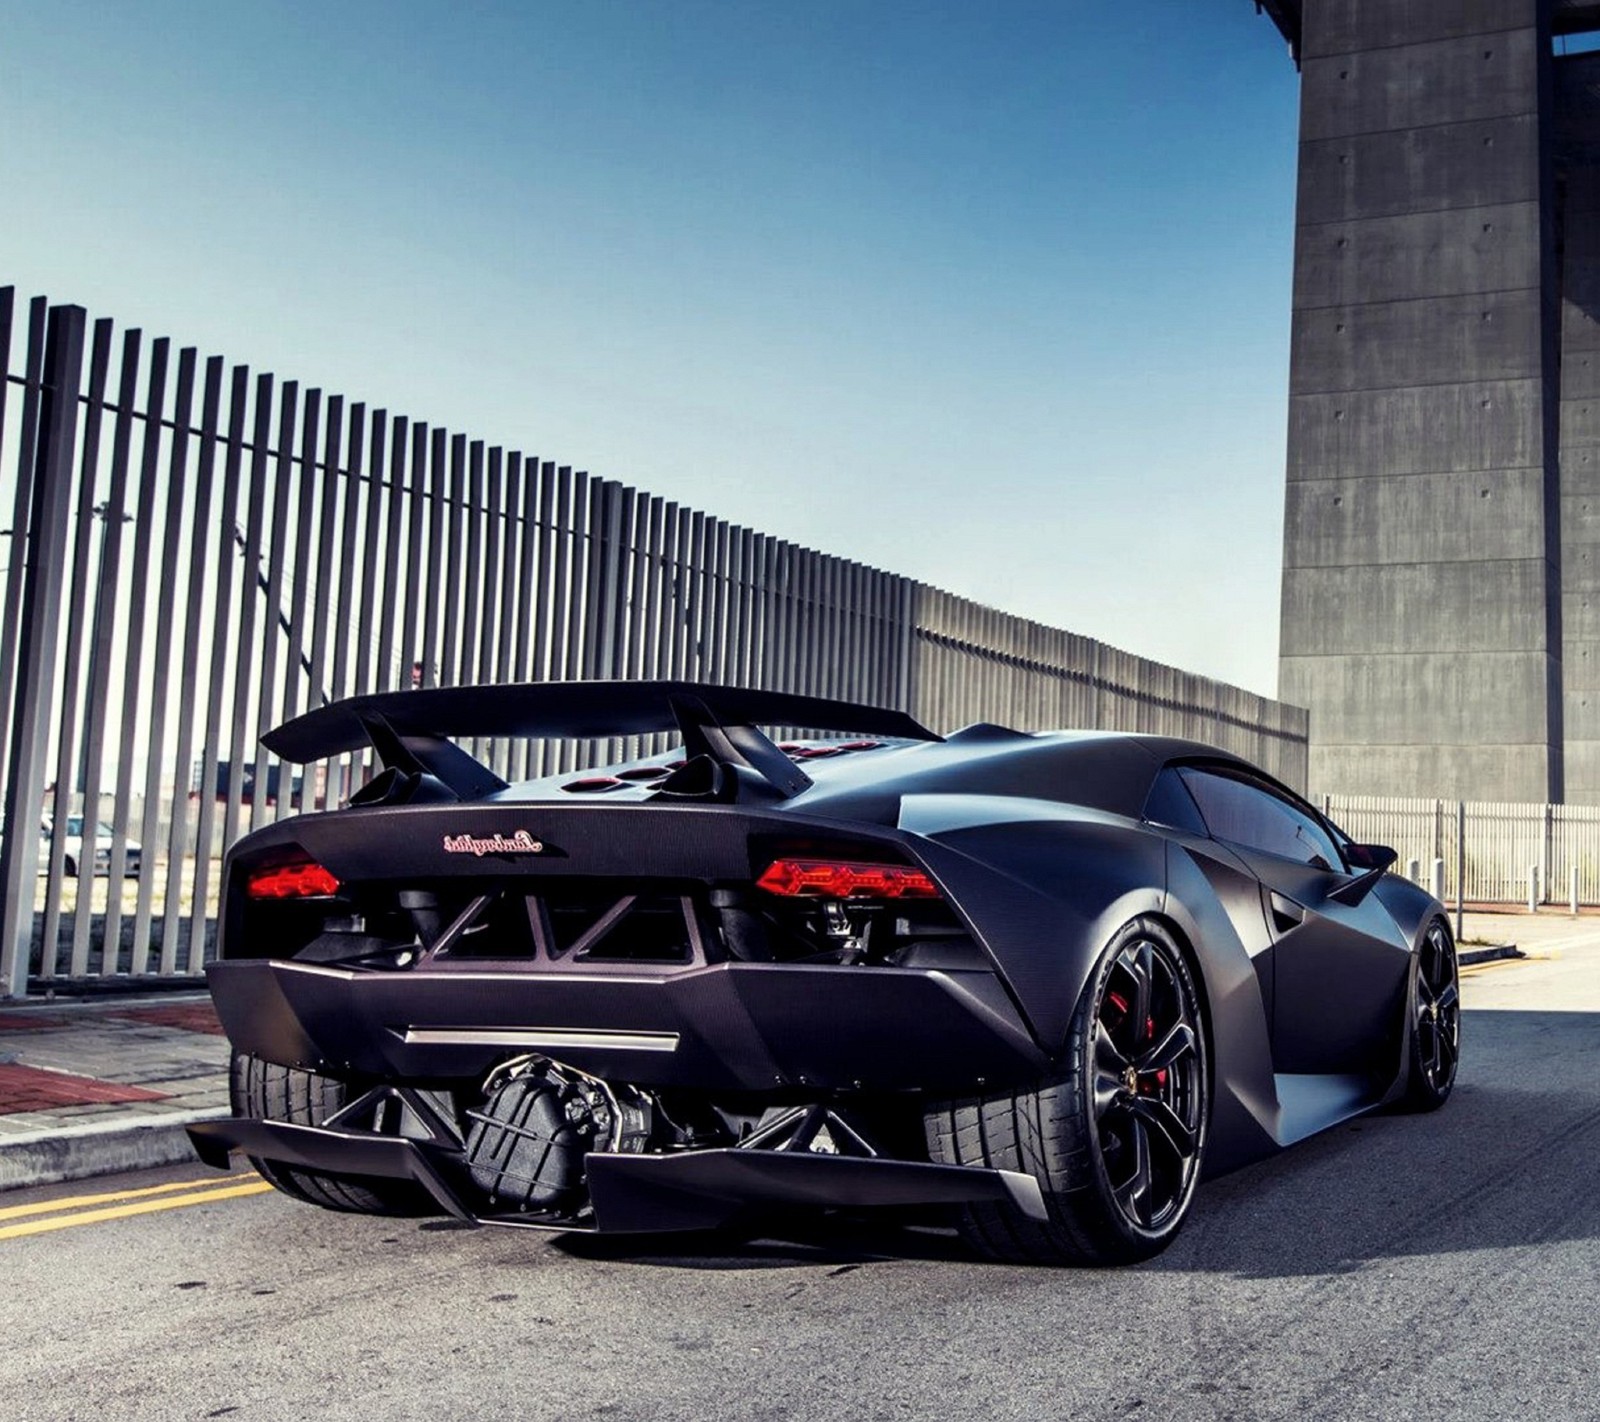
(1287, 16)
(1566, 17)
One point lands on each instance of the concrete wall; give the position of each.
(1577, 155)
(1422, 584)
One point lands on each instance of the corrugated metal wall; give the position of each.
(198, 552)
(976, 664)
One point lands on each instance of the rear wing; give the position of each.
(414, 729)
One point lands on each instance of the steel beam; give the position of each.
(40, 627)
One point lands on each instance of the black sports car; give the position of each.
(1048, 980)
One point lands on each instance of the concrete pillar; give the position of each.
(1422, 567)
(1577, 111)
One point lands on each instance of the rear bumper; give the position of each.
(725, 1027)
(638, 1193)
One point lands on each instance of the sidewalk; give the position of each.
(96, 1087)
(100, 1086)
(1547, 932)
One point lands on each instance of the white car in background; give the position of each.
(73, 851)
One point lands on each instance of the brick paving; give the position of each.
(73, 1065)
(13, 1020)
(189, 1016)
(25, 1088)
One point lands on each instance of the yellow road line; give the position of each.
(140, 1207)
(78, 1202)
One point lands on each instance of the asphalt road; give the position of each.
(1440, 1267)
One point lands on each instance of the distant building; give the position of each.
(1441, 585)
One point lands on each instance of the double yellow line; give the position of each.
(47, 1215)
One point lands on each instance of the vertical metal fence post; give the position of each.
(41, 620)
(1461, 864)
(1546, 858)
(75, 592)
(11, 596)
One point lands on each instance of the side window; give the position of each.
(1169, 803)
(1253, 816)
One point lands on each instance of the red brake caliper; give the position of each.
(1149, 1036)
(1121, 1004)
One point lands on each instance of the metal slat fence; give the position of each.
(197, 552)
(1510, 848)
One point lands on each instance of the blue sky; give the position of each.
(995, 295)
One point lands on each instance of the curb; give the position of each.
(1493, 953)
(99, 1148)
(88, 1002)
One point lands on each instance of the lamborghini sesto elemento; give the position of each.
(1046, 981)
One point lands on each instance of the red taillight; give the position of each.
(291, 881)
(829, 879)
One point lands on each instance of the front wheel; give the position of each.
(1434, 1005)
(1117, 1138)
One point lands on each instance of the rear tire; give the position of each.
(1116, 1139)
(266, 1092)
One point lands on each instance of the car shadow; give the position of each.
(1507, 1162)
(787, 1241)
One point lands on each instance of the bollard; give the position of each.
(1414, 871)
(1438, 879)
(1533, 888)
(1573, 886)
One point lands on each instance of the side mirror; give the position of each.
(1369, 856)
(1368, 862)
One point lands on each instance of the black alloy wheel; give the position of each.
(1435, 1019)
(1148, 1083)
(1115, 1136)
